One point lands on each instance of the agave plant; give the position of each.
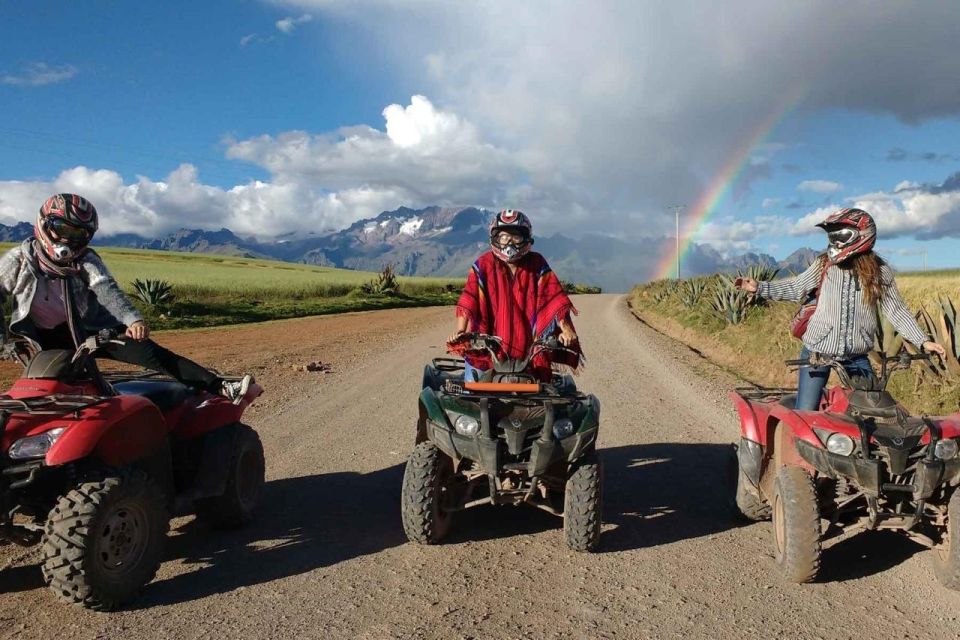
(942, 325)
(386, 283)
(155, 293)
(730, 303)
(691, 291)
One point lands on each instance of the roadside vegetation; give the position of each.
(752, 338)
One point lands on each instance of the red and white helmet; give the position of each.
(65, 225)
(850, 232)
(516, 223)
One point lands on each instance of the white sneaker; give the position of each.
(234, 390)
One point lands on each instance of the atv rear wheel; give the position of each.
(245, 481)
(104, 540)
(796, 525)
(425, 480)
(946, 556)
(583, 503)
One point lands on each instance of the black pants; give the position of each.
(145, 353)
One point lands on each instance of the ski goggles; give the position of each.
(842, 236)
(503, 239)
(66, 232)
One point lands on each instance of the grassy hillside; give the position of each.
(212, 289)
(757, 347)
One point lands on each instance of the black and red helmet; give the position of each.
(516, 223)
(850, 232)
(65, 225)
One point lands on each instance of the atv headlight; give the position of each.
(945, 449)
(35, 446)
(466, 426)
(840, 444)
(562, 428)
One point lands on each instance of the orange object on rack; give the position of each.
(502, 387)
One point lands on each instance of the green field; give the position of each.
(214, 290)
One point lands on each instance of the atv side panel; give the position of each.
(118, 431)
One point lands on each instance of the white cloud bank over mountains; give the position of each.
(590, 114)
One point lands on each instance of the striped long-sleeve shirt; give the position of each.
(844, 324)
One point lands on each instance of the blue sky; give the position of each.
(300, 115)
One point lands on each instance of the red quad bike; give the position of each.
(860, 462)
(92, 466)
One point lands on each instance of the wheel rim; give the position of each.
(779, 531)
(123, 538)
(250, 479)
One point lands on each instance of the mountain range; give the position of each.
(439, 241)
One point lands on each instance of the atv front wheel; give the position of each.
(796, 525)
(946, 555)
(425, 479)
(244, 483)
(583, 503)
(104, 539)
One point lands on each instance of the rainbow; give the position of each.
(706, 204)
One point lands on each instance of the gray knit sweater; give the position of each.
(844, 324)
(100, 303)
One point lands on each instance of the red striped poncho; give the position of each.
(518, 308)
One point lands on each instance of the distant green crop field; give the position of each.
(212, 290)
(230, 273)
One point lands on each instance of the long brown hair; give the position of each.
(868, 269)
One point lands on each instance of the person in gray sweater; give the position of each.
(851, 283)
(63, 293)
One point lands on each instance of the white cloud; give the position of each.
(288, 24)
(317, 182)
(819, 186)
(247, 39)
(38, 74)
(769, 203)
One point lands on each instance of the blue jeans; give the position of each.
(468, 370)
(813, 380)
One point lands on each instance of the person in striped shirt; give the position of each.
(854, 283)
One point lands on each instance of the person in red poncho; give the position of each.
(512, 293)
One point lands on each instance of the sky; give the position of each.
(278, 116)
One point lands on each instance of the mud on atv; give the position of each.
(505, 439)
(861, 462)
(92, 467)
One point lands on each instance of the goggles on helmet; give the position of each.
(842, 236)
(67, 233)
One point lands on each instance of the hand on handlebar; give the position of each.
(933, 347)
(568, 338)
(139, 331)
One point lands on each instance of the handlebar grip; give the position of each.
(797, 363)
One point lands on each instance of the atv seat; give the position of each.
(163, 393)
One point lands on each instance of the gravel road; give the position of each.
(327, 557)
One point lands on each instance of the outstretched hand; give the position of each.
(453, 337)
(746, 284)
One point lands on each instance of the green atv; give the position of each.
(503, 439)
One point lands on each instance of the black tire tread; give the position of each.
(948, 570)
(583, 504)
(64, 541)
(226, 511)
(420, 493)
(750, 506)
(800, 560)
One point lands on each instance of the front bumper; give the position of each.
(489, 452)
(868, 474)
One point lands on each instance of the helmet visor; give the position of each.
(67, 233)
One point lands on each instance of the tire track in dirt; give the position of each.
(327, 557)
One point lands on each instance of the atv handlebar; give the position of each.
(493, 345)
(901, 361)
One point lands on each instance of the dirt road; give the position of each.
(328, 558)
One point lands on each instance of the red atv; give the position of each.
(861, 462)
(94, 465)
